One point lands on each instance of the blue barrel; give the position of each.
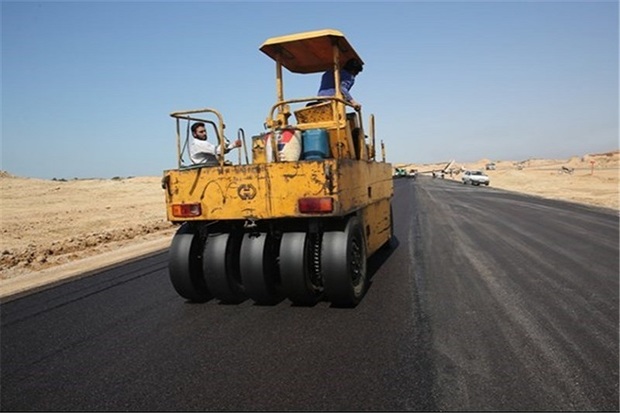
(315, 144)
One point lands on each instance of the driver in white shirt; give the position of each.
(202, 151)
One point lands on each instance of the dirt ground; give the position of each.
(48, 223)
(55, 226)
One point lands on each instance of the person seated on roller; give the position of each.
(202, 151)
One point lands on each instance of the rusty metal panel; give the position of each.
(259, 191)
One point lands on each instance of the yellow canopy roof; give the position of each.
(309, 52)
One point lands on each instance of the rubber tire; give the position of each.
(185, 265)
(259, 271)
(295, 270)
(343, 253)
(220, 266)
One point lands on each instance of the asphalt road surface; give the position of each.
(489, 301)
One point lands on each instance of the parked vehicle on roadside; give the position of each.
(475, 178)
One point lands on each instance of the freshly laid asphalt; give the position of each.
(489, 300)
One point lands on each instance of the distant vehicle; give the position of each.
(399, 173)
(475, 178)
(490, 166)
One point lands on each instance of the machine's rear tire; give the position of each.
(298, 267)
(185, 266)
(259, 270)
(343, 263)
(220, 265)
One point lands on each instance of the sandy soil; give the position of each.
(52, 228)
(48, 224)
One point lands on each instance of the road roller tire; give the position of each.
(259, 269)
(343, 264)
(185, 266)
(220, 265)
(298, 268)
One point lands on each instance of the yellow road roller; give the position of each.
(297, 215)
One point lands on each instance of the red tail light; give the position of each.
(315, 205)
(186, 210)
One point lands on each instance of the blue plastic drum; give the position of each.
(315, 144)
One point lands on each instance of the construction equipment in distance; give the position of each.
(300, 219)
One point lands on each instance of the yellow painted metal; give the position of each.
(272, 191)
(376, 218)
(372, 145)
(322, 112)
(309, 52)
(259, 154)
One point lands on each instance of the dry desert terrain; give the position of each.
(56, 229)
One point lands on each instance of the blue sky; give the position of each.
(87, 87)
